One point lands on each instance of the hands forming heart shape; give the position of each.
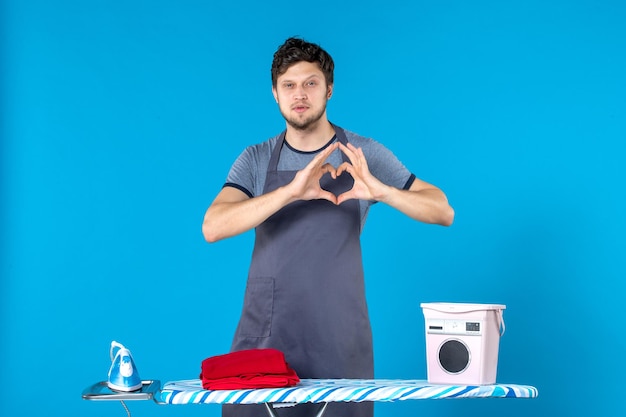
(306, 184)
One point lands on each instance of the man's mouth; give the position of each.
(299, 108)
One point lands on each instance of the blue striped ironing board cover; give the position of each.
(334, 390)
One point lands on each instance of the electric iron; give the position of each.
(123, 375)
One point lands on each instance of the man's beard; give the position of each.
(307, 123)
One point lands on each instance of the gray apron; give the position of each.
(305, 293)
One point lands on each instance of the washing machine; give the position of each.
(462, 342)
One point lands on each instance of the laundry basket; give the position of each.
(462, 342)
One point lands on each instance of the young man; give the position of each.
(307, 192)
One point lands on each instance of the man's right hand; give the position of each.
(233, 212)
(306, 183)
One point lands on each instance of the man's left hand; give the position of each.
(366, 186)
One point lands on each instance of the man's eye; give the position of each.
(289, 85)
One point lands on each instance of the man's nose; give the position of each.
(300, 93)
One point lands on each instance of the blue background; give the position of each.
(120, 120)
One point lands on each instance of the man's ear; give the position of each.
(275, 93)
(329, 92)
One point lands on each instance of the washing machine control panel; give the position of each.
(451, 326)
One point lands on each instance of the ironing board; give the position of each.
(321, 391)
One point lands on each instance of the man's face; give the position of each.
(301, 94)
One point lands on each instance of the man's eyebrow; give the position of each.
(287, 80)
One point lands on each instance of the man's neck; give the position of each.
(310, 139)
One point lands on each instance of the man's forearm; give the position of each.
(225, 219)
(428, 205)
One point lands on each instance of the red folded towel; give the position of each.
(252, 368)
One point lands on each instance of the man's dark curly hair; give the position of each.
(296, 50)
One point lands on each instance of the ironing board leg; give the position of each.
(271, 412)
(321, 412)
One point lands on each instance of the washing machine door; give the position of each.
(454, 356)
